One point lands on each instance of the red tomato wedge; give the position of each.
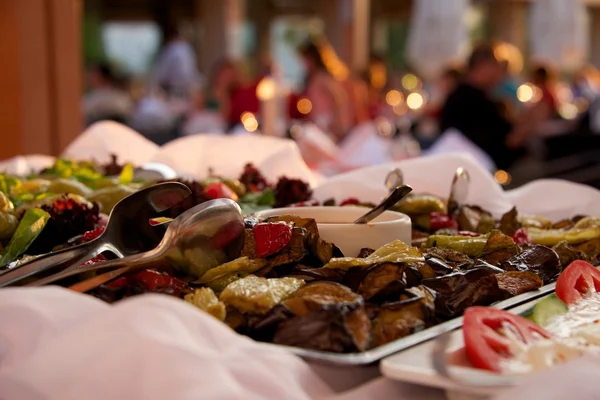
(579, 279)
(488, 332)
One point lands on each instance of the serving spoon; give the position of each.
(395, 196)
(201, 238)
(459, 189)
(127, 232)
(393, 179)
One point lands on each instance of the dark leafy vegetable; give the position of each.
(459, 290)
(401, 318)
(517, 282)
(475, 219)
(540, 259)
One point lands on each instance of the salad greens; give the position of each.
(258, 201)
(31, 225)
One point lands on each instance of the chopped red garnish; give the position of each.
(219, 190)
(95, 260)
(271, 237)
(93, 234)
(468, 233)
(521, 236)
(442, 221)
(154, 281)
(350, 202)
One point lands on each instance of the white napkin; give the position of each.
(453, 141)
(104, 138)
(24, 165)
(55, 344)
(431, 174)
(227, 155)
(365, 146)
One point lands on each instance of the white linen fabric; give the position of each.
(453, 141)
(104, 138)
(227, 155)
(57, 344)
(24, 165)
(430, 174)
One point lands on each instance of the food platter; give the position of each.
(286, 285)
(397, 346)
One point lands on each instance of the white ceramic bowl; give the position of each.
(335, 225)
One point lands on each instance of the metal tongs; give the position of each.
(128, 232)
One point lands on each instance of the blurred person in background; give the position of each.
(224, 80)
(176, 71)
(376, 77)
(200, 118)
(471, 110)
(357, 91)
(330, 107)
(243, 97)
(106, 99)
(534, 118)
(448, 81)
(586, 83)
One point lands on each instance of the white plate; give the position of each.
(415, 365)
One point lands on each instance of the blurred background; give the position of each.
(514, 82)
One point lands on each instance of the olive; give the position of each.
(8, 225)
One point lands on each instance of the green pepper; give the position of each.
(8, 225)
(420, 204)
(588, 222)
(62, 185)
(551, 237)
(469, 245)
(108, 197)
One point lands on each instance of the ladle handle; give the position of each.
(137, 261)
(49, 261)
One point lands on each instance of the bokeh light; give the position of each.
(568, 111)
(266, 89)
(410, 82)
(304, 106)
(394, 98)
(502, 177)
(414, 101)
(525, 93)
(249, 122)
(384, 127)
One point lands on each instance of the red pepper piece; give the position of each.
(442, 221)
(271, 237)
(155, 280)
(118, 283)
(521, 236)
(351, 201)
(93, 234)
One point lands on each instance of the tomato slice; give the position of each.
(488, 333)
(579, 279)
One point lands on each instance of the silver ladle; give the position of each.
(201, 238)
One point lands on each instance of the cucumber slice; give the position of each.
(547, 309)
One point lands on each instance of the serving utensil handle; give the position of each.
(49, 261)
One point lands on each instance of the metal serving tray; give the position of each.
(376, 354)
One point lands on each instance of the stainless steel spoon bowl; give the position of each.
(393, 179)
(201, 238)
(459, 190)
(127, 232)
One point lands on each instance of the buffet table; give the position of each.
(58, 344)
